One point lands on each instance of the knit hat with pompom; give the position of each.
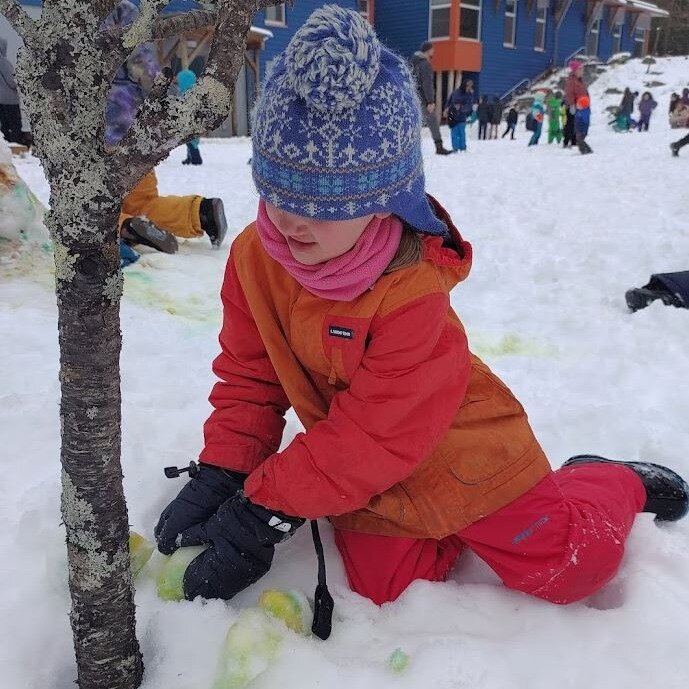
(337, 127)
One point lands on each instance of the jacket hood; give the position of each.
(453, 255)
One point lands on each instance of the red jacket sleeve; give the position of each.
(399, 405)
(249, 402)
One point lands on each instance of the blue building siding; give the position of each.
(572, 33)
(403, 27)
(504, 66)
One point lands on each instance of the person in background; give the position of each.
(425, 83)
(575, 88)
(147, 217)
(511, 119)
(646, 107)
(496, 118)
(186, 79)
(483, 115)
(670, 288)
(10, 114)
(554, 105)
(625, 110)
(413, 449)
(582, 120)
(538, 114)
(674, 102)
(459, 108)
(684, 100)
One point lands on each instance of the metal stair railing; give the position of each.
(512, 92)
(578, 51)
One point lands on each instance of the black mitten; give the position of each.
(195, 503)
(242, 538)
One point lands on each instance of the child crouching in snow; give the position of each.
(336, 302)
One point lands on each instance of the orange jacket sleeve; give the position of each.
(249, 403)
(399, 405)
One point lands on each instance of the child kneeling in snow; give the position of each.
(336, 302)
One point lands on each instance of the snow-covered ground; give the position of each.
(558, 238)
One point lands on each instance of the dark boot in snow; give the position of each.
(667, 493)
(671, 288)
(675, 150)
(441, 150)
(195, 156)
(213, 222)
(584, 148)
(143, 231)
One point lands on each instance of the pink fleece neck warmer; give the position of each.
(344, 277)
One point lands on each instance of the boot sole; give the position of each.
(220, 223)
(664, 507)
(146, 233)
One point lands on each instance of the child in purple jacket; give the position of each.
(646, 107)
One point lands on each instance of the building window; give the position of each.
(363, 8)
(439, 22)
(617, 39)
(541, 23)
(470, 19)
(510, 33)
(276, 14)
(592, 38)
(639, 42)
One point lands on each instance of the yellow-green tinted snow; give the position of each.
(289, 606)
(141, 288)
(510, 344)
(171, 575)
(398, 661)
(140, 551)
(251, 644)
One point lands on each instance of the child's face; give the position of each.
(315, 241)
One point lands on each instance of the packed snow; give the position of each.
(558, 238)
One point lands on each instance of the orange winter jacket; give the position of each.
(407, 433)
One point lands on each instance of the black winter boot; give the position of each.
(441, 150)
(670, 288)
(143, 231)
(195, 156)
(667, 493)
(213, 222)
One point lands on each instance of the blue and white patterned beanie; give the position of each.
(337, 128)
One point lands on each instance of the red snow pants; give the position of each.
(560, 541)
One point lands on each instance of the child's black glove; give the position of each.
(194, 504)
(242, 538)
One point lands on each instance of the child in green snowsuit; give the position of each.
(554, 104)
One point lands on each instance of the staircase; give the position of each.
(520, 96)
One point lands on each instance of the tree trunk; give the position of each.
(88, 286)
(64, 72)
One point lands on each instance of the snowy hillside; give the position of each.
(558, 238)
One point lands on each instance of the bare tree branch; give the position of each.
(164, 123)
(19, 19)
(262, 4)
(140, 30)
(181, 23)
(161, 84)
(104, 7)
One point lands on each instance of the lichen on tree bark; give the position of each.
(64, 72)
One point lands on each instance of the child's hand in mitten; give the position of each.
(194, 504)
(242, 538)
